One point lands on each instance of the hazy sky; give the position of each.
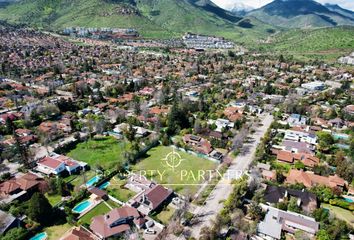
(349, 4)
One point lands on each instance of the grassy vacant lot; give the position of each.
(165, 215)
(341, 213)
(56, 232)
(105, 151)
(183, 178)
(117, 190)
(100, 209)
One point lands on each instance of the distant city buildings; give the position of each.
(347, 60)
(101, 33)
(197, 41)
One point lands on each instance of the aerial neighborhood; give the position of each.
(105, 134)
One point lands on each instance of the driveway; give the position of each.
(213, 205)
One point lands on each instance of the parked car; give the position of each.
(150, 231)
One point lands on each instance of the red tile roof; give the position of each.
(50, 162)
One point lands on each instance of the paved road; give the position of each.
(223, 189)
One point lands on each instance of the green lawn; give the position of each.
(165, 215)
(100, 209)
(78, 180)
(56, 232)
(53, 199)
(113, 204)
(105, 151)
(117, 190)
(184, 178)
(341, 213)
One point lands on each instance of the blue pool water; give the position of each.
(104, 185)
(340, 136)
(342, 146)
(92, 181)
(349, 200)
(82, 206)
(39, 236)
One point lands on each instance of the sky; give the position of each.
(348, 4)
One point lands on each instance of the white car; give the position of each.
(150, 231)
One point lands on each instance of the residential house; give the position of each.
(300, 136)
(306, 200)
(297, 147)
(7, 222)
(54, 164)
(79, 233)
(308, 160)
(222, 124)
(117, 222)
(199, 144)
(152, 198)
(296, 120)
(233, 113)
(310, 179)
(349, 109)
(21, 187)
(277, 220)
(336, 123)
(49, 165)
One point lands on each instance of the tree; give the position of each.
(322, 234)
(255, 211)
(129, 133)
(15, 233)
(325, 140)
(39, 208)
(293, 205)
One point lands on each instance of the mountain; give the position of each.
(308, 44)
(239, 9)
(301, 14)
(153, 18)
(340, 10)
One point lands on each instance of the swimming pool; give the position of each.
(340, 136)
(349, 200)
(81, 207)
(92, 181)
(104, 185)
(39, 236)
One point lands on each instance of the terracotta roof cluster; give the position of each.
(310, 179)
(289, 157)
(233, 113)
(24, 183)
(200, 145)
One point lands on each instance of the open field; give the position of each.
(105, 152)
(184, 178)
(341, 213)
(100, 209)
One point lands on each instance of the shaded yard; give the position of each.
(340, 213)
(53, 199)
(165, 215)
